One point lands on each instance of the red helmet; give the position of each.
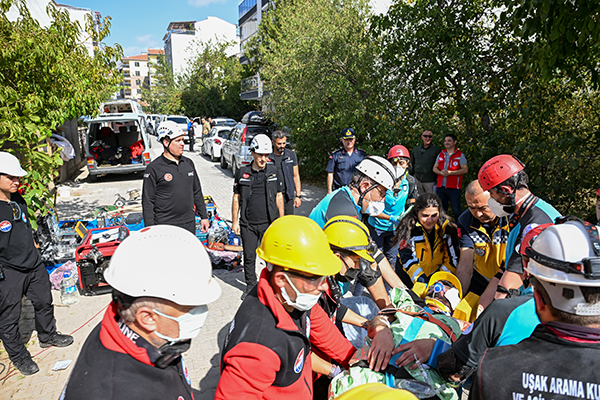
(398, 151)
(498, 169)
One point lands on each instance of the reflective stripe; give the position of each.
(418, 272)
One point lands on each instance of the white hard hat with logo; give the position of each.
(261, 144)
(169, 129)
(563, 258)
(379, 170)
(9, 165)
(166, 262)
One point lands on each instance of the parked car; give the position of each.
(116, 144)
(223, 121)
(181, 121)
(236, 150)
(214, 141)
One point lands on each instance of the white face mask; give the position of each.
(399, 171)
(497, 208)
(189, 323)
(375, 207)
(304, 301)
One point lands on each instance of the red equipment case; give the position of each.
(93, 259)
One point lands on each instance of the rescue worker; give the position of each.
(342, 162)
(257, 202)
(561, 358)
(502, 323)
(135, 352)
(423, 158)
(483, 237)
(365, 194)
(171, 187)
(22, 273)
(504, 177)
(428, 241)
(287, 164)
(397, 200)
(267, 351)
(450, 167)
(191, 137)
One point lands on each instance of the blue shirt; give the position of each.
(394, 205)
(343, 165)
(338, 202)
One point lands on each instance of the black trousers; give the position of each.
(288, 207)
(192, 141)
(35, 285)
(251, 236)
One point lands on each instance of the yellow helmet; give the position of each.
(376, 391)
(350, 234)
(298, 243)
(446, 276)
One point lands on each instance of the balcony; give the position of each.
(126, 75)
(251, 88)
(125, 66)
(245, 6)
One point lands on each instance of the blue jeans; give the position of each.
(366, 308)
(453, 195)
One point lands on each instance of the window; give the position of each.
(137, 73)
(137, 82)
(139, 91)
(137, 64)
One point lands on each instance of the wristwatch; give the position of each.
(299, 197)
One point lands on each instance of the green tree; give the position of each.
(321, 71)
(212, 83)
(164, 97)
(557, 37)
(47, 77)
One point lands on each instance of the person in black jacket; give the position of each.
(22, 273)
(135, 352)
(171, 186)
(561, 358)
(257, 201)
(287, 164)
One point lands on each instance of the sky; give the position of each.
(139, 25)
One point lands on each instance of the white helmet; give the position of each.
(564, 257)
(166, 262)
(10, 165)
(378, 169)
(169, 129)
(261, 144)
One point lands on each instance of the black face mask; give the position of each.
(351, 274)
(170, 352)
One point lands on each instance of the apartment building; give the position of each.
(153, 56)
(136, 75)
(183, 40)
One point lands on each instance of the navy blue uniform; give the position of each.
(343, 165)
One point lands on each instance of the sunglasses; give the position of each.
(315, 280)
(428, 136)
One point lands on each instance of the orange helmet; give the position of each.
(398, 151)
(498, 169)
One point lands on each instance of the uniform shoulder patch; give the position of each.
(246, 176)
(5, 226)
(299, 363)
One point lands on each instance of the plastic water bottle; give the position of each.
(68, 290)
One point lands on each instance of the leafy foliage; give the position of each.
(164, 97)
(212, 83)
(47, 77)
(558, 37)
(321, 69)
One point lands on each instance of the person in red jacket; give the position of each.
(267, 352)
(450, 167)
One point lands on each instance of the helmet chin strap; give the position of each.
(363, 194)
(168, 148)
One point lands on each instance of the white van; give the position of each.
(117, 143)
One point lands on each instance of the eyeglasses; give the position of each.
(315, 280)
(16, 209)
